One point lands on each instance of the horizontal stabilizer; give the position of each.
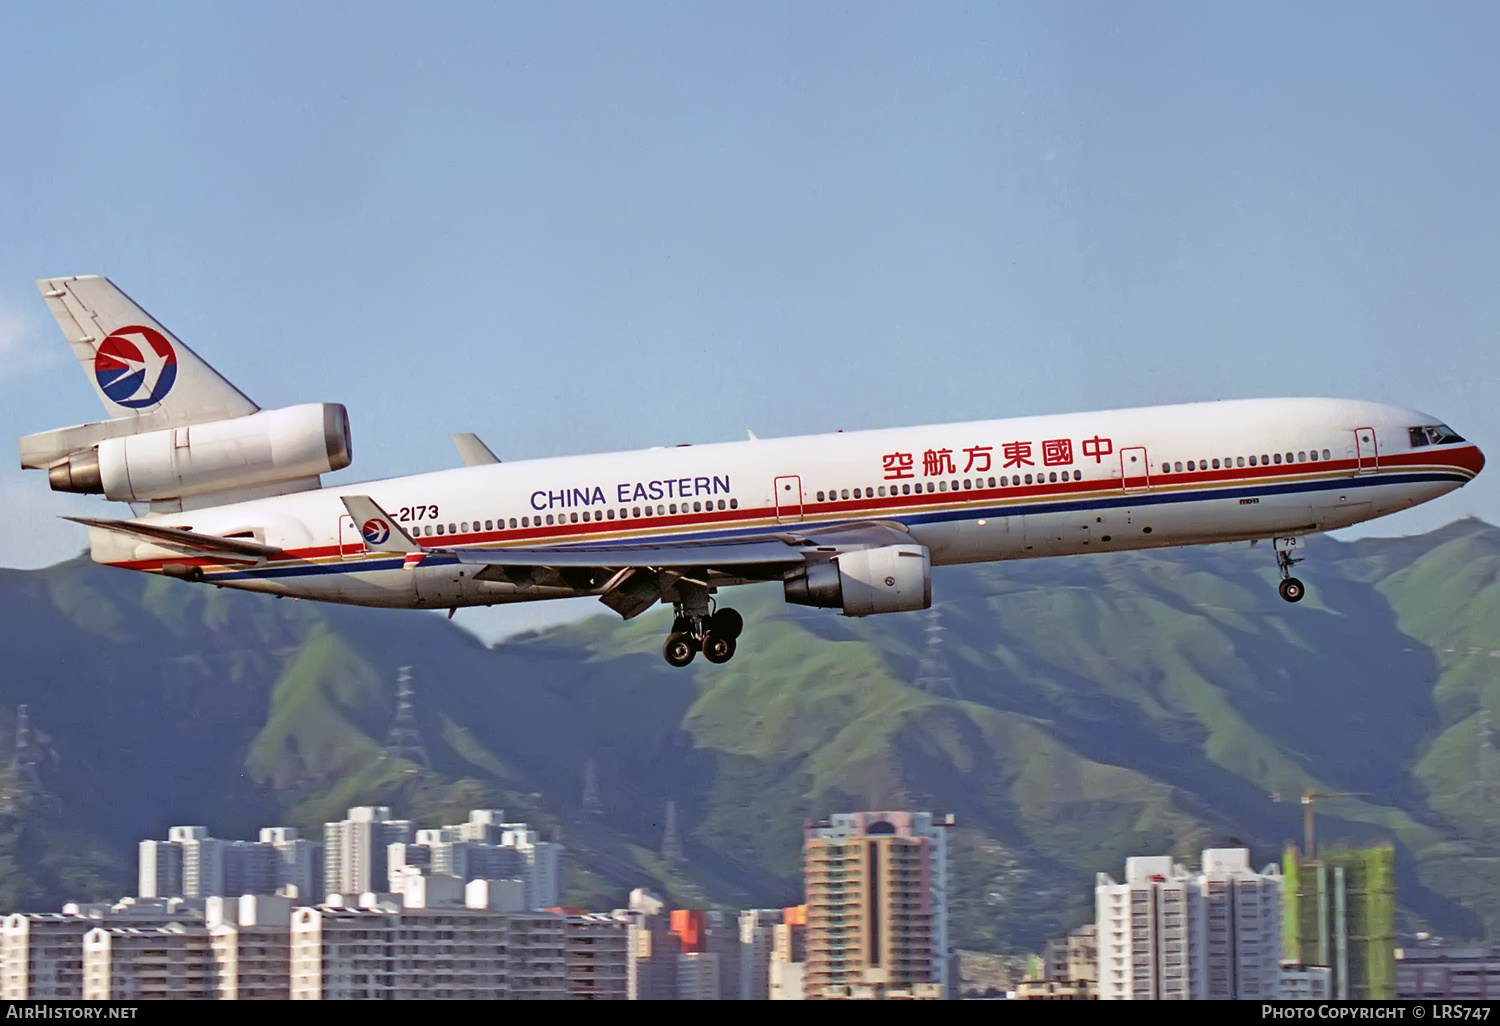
(378, 528)
(187, 541)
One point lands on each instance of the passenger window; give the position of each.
(1252, 461)
(674, 507)
(882, 490)
(512, 523)
(1312, 454)
(1277, 457)
(440, 528)
(820, 496)
(1216, 464)
(574, 517)
(525, 522)
(734, 503)
(967, 484)
(906, 489)
(1239, 461)
(1179, 467)
(585, 516)
(1028, 479)
(697, 507)
(1289, 458)
(549, 519)
(942, 486)
(955, 486)
(721, 503)
(1302, 457)
(1052, 476)
(635, 511)
(992, 482)
(1265, 460)
(1326, 455)
(429, 530)
(846, 493)
(464, 527)
(1077, 475)
(1192, 465)
(661, 511)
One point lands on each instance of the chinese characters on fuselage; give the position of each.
(979, 459)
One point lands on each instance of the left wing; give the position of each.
(193, 542)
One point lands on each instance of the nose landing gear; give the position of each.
(1291, 588)
(714, 635)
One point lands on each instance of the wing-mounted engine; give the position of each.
(272, 447)
(862, 582)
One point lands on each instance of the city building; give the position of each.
(595, 957)
(1341, 913)
(1242, 927)
(757, 930)
(653, 948)
(698, 976)
(131, 963)
(160, 870)
(42, 952)
(300, 863)
(1305, 982)
(1458, 974)
(1054, 990)
(877, 905)
(355, 850)
(1169, 934)
(385, 951)
(250, 937)
(192, 864)
(786, 981)
(484, 848)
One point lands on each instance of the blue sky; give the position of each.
(582, 227)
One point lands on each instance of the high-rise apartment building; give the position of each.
(355, 850)
(250, 937)
(595, 957)
(877, 905)
(300, 863)
(391, 953)
(1145, 931)
(41, 953)
(1341, 912)
(484, 848)
(1242, 927)
(129, 963)
(160, 874)
(1448, 974)
(1170, 934)
(757, 929)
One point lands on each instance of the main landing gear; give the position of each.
(1290, 588)
(713, 635)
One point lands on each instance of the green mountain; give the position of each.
(1083, 710)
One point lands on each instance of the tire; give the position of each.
(727, 624)
(679, 649)
(718, 649)
(1292, 589)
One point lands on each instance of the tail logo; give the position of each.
(375, 531)
(135, 367)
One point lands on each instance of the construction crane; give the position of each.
(1308, 798)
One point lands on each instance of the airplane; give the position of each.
(228, 494)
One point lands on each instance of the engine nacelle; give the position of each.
(890, 579)
(264, 448)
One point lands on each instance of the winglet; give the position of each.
(377, 527)
(472, 451)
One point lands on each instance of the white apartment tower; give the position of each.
(300, 862)
(1169, 934)
(757, 940)
(128, 963)
(354, 850)
(1242, 924)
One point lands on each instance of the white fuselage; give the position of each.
(971, 492)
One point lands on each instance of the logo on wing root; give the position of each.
(375, 531)
(135, 366)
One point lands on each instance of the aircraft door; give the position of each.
(350, 542)
(1135, 470)
(1364, 446)
(788, 499)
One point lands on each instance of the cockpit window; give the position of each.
(1433, 434)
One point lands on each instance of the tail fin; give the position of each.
(138, 367)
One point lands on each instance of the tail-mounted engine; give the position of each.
(890, 579)
(268, 447)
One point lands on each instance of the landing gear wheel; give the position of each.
(718, 649)
(1292, 589)
(679, 649)
(726, 623)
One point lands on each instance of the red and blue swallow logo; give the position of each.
(135, 366)
(375, 531)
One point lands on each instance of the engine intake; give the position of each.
(889, 579)
(264, 448)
